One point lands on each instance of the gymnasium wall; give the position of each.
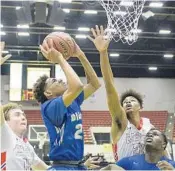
(159, 94)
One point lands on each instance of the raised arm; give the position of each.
(3, 59)
(92, 80)
(75, 85)
(119, 119)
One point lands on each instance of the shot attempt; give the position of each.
(60, 102)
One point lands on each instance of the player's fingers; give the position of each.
(163, 165)
(7, 57)
(97, 30)
(93, 32)
(93, 166)
(50, 43)
(44, 52)
(2, 45)
(45, 45)
(90, 38)
(101, 30)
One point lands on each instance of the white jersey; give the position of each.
(132, 140)
(16, 154)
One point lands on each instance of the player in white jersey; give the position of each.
(128, 128)
(16, 152)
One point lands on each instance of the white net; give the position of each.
(42, 138)
(123, 17)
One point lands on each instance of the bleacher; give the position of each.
(103, 119)
(157, 118)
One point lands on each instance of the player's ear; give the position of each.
(48, 94)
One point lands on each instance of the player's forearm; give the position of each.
(90, 73)
(74, 82)
(106, 69)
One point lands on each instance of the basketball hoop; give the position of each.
(123, 17)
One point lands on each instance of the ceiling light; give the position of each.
(5, 51)
(147, 15)
(23, 26)
(156, 4)
(152, 68)
(114, 55)
(1, 26)
(168, 55)
(66, 10)
(59, 28)
(164, 31)
(17, 8)
(125, 3)
(65, 1)
(83, 29)
(136, 30)
(120, 13)
(23, 34)
(81, 36)
(2, 33)
(90, 12)
(110, 30)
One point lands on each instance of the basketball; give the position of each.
(62, 42)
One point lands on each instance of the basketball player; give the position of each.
(152, 159)
(16, 152)
(128, 128)
(60, 109)
(3, 59)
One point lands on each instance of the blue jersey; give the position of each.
(64, 126)
(138, 162)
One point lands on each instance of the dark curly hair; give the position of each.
(38, 89)
(132, 93)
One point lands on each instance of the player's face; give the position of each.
(17, 121)
(131, 105)
(155, 140)
(55, 86)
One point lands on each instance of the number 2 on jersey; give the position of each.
(78, 133)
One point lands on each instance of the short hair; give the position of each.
(132, 93)
(7, 107)
(39, 88)
(163, 135)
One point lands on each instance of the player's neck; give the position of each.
(153, 157)
(135, 119)
(20, 135)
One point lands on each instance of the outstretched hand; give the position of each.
(164, 165)
(3, 59)
(91, 163)
(49, 52)
(100, 41)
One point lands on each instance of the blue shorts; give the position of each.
(66, 168)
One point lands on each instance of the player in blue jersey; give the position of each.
(153, 159)
(60, 109)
